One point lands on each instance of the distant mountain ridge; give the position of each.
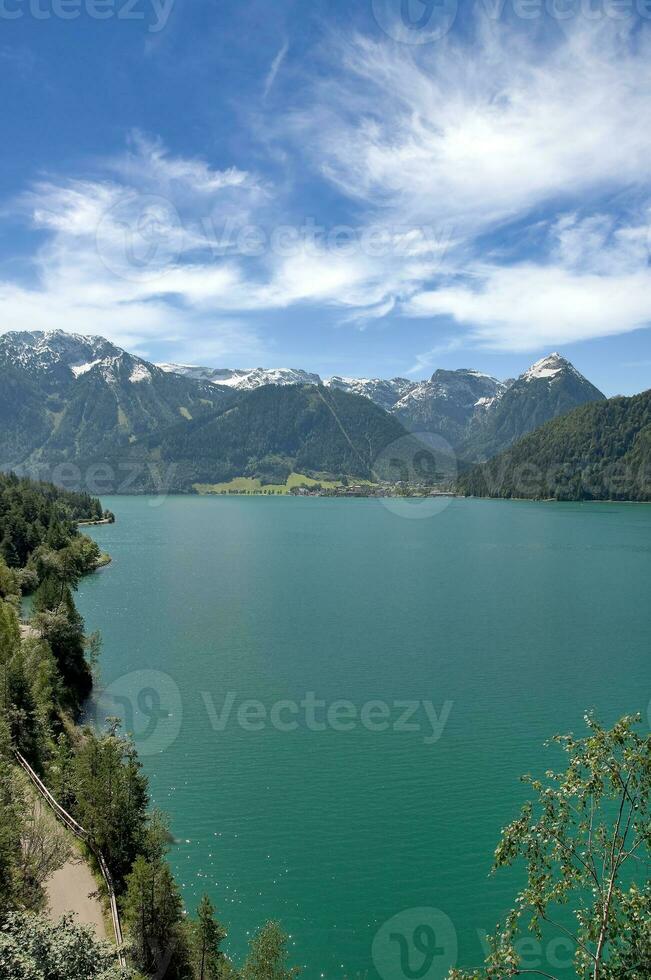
(79, 409)
(449, 401)
(70, 399)
(272, 431)
(385, 393)
(476, 413)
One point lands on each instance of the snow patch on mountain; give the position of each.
(465, 388)
(243, 380)
(140, 373)
(79, 369)
(548, 367)
(383, 392)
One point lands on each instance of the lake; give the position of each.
(334, 702)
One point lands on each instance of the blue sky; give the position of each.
(374, 189)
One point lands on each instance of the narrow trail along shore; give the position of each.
(72, 889)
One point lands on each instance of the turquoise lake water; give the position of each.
(503, 621)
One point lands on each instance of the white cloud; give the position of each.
(119, 251)
(526, 307)
(475, 135)
(109, 262)
(474, 138)
(149, 160)
(595, 283)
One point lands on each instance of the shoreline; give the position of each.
(550, 500)
(326, 496)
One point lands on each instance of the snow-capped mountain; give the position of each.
(550, 387)
(64, 396)
(465, 406)
(448, 401)
(58, 358)
(384, 393)
(448, 394)
(243, 380)
(548, 368)
(57, 354)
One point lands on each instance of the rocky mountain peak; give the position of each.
(549, 367)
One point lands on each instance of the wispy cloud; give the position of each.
(145, 247)
(476, 135)
(275, 68)
(425, 361)
(119, 253)
(511, 130)
(148, 159)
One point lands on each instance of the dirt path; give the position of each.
(73, 888)
(68, 890)
(27, 632)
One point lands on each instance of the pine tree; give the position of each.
(9, 581)
(111, 799)
(61, 625)
(9, 552)
(61, 774)
(153, 913)
(207, 935)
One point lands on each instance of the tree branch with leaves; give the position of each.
(585, 840)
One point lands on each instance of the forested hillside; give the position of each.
(34, 515)
(601, 451)
(275, 430)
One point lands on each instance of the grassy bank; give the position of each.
(244, 485)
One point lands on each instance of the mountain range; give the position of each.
(477, 414)
(70, 399)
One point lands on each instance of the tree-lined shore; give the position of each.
(46, 675)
